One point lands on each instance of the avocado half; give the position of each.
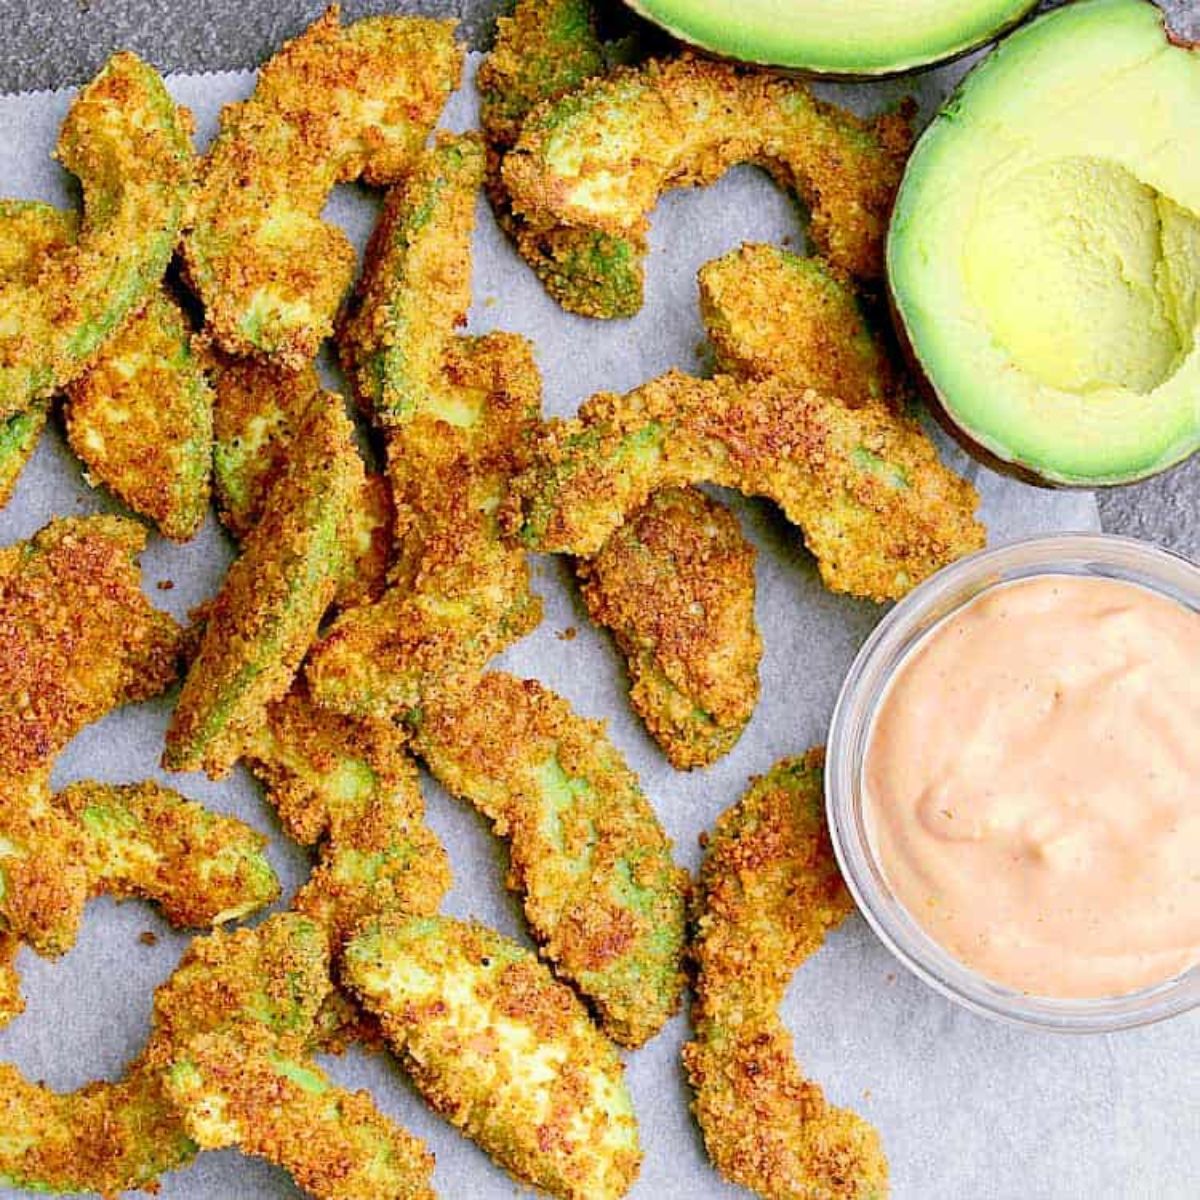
(836, 37)
(1044, 251)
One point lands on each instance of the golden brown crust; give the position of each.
(769, 892)
(77, 636)
(675, 584)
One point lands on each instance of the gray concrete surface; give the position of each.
(53, 43)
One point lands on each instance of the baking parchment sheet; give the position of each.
(967, 1108)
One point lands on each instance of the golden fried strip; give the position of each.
(129, 146)
(351, 785)
(770, 313)
(333, 105)
(503, 1051)
(588, 854)
(265, 617)
(30, 231)
(260, 409)
(544, 50)
(769, 892)
(878, 509)
(460, 592)
(141, 419)
(77, 636)
(675, 584)
(599, 157)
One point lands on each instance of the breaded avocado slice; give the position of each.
(543, 50)
(460, 590)
(589, 856)
(770, 313)
(502, 1050)
(599, 157)
(877, 507)
(1044, 254)
(262, 622)
(128, 144)
(115, 1137)
(417, 286)
(30, 231)
(141, 419)
(259, 411)
(675, 584)
(142, 839)
(243, 1090)
(769, 892)
(78, 637)
(333, 105)
(350, 785)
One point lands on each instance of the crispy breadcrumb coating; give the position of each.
(502, 1050)
(265, 617)
(350, 784)
(878, 509)
(416, 288)
(588, 854)
(77, 636)
(142, 839)
(769, 892)
(260, 409)
(460, 592)
(544, 50)
(334, 104)
(599, 157)
(141, 419)
(30, 232)
(243, 1090)
(675, 584)
(768, 312)
(129, 146)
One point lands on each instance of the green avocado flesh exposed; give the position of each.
(836, 37)
(1044, 252)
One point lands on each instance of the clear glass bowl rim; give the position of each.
(1097, 554)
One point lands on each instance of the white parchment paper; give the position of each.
(967, 1108)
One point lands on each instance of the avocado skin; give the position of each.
(793, 62)
(938, 402)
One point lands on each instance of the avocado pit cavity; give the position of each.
(1078, 269)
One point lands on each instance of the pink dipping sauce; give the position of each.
(1032, 786)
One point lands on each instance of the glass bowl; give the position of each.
(944, 593)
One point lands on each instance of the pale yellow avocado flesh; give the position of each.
(836, 37)
(1044, 254)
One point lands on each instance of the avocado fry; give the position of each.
(589, 857)
(129, 146)
(243, 1090)
(334, 105)
(543, 50)
(769, 892)
(142, 839)
(141, 419)
(11, 1002)
(877, 508)
(77, 636)
(502, 1050)
(260, 409)
(265, 617)
(115, 1137)
(675, 584)
(351, 785)
(460, 592)
(770, 313)
(417, 286)
(600, 156)
(29, 232)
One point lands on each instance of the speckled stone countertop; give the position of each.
(56, 43)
